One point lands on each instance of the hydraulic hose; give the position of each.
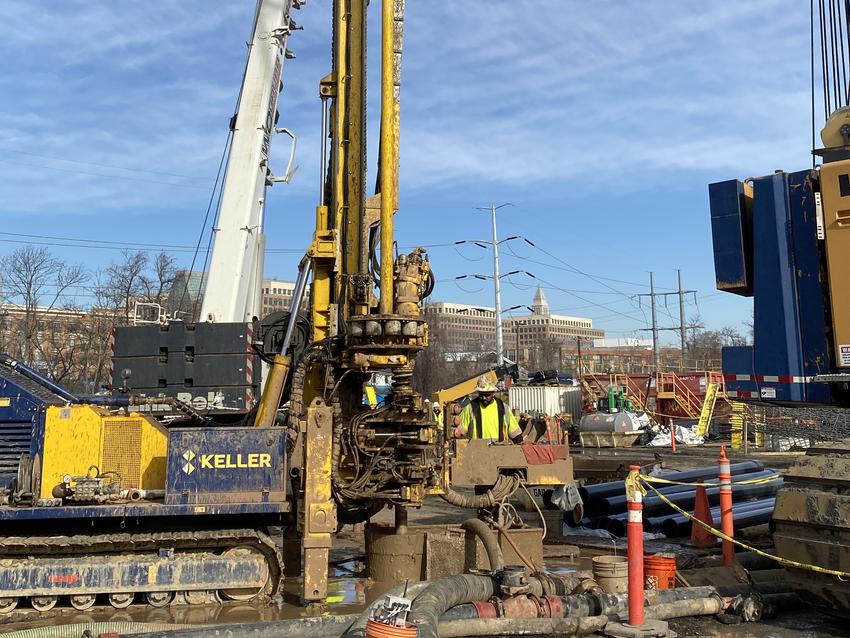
(504, 487)
(544, 584)
(683, 608)
(521, 627)
(667, 601)
(507, 536)
(480, 529)
(38, 377)
(442, 595)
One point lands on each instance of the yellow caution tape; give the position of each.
(633, 485)
(755, 481)
(782, 561)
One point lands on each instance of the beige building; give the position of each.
(466, 328)
(277, 295)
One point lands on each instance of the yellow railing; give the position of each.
(707, 408)
(634, 392)
(669, 386)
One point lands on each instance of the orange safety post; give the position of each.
(672, 429)
(634, 547)
(726, 516)
(701, 537)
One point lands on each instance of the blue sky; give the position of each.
(602, 122)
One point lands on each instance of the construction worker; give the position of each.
(438, 412)
(487, 417)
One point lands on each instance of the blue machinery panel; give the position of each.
(23, 403)
(216, 465)
(732, 235)
(790, 319)
(777, 350)
(810, 286)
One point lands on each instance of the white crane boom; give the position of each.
(236, 264)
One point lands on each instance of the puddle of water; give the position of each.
(803, 624)
(346, 595)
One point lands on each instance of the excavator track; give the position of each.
(811, 520)
(195, 566)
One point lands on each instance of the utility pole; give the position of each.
(500, 348)
(500, 353)
(654, 324)
(580, 366)
(681, 322)
(655, 329)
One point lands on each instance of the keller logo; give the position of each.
(188, 456)
(200, 460)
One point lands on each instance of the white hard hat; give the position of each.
(485, 384)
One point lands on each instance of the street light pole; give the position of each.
(497, 289)
(500, 347)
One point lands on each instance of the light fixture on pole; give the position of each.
(496, 289)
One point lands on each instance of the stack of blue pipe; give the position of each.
(605, 503)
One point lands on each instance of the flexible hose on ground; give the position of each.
(684, 608)
(504, 487)
(663, 601)
(444, 594)
(460, 620)
(95, 628)
(488, 538)
(522, 627)
(543, 584)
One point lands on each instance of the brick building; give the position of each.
(466, 328)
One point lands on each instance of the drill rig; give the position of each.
(167, 508)
(365, 317)
(162, 494)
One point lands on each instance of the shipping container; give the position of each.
(546, 400)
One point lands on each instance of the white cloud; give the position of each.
(503, 91)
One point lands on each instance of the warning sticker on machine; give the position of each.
(768, 393)
(844, 356)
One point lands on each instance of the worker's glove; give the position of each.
(517, 439)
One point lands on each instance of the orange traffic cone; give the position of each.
(701, 537)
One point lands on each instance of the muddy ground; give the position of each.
(350, 591)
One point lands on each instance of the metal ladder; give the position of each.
(707, 408)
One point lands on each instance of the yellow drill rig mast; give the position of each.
(365, 314)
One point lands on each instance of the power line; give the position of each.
(568, 267)
(119, 245)
(655, 328)
(113, 166)
(79, 242)
(588, 301)
(92, 174)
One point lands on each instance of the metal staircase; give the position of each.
(711, 392)
(669, 386)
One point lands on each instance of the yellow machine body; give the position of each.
(79, 436)
(478, 462)
(835, 190)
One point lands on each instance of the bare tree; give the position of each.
(432, 368)
(549, 353)
(125, 281)
(38, 283)
(159, 281)
(703, 347)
